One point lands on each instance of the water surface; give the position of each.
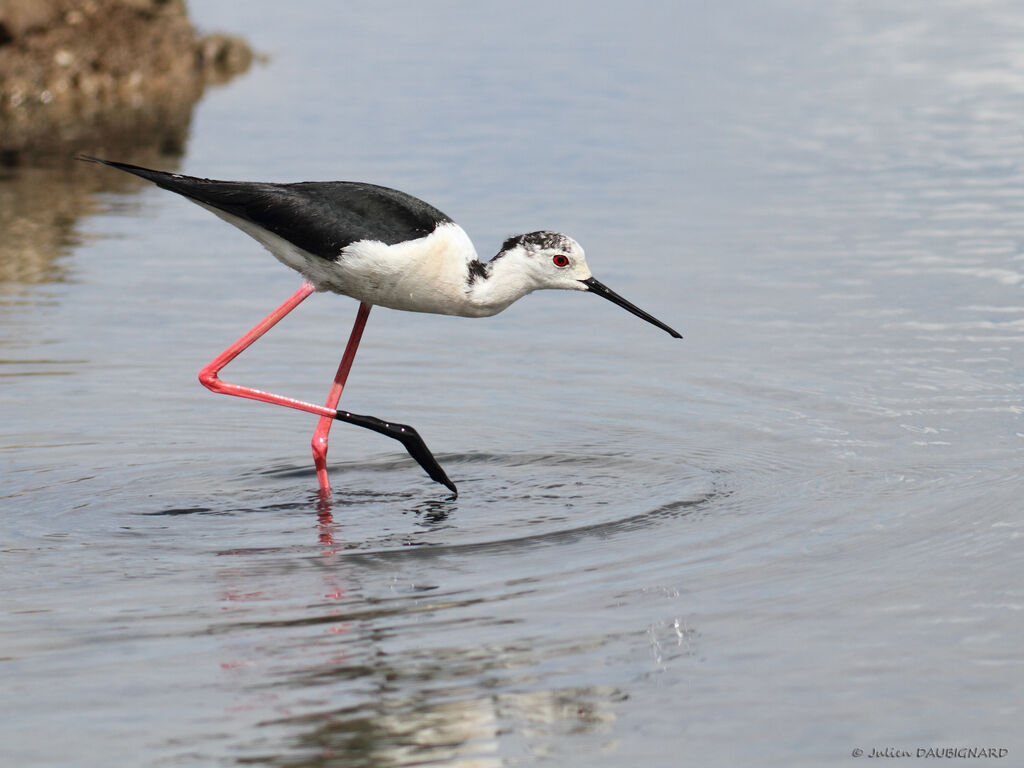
(792, 534)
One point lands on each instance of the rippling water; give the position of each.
(793, 534)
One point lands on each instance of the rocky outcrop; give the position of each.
(87, 74)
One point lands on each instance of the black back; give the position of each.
(320, 217)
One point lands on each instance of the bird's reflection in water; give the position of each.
(325, 524)
(474, 730)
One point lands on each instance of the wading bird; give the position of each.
(379, 246)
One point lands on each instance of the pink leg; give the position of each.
(323, 426)
(208, 375)
(405, 434)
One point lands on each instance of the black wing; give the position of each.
(320, 217)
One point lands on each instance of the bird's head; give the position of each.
(549, 259)
(553, 260)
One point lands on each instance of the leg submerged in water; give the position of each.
(209, 377)
(323, 426)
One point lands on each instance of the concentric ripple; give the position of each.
(387, 504)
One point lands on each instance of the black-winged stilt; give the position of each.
(379, 246)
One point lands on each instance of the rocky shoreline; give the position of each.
(88, 74)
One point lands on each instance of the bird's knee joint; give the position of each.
(208, 378)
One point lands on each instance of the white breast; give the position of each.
(423, 275)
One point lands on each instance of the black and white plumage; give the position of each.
(383, 247)
(387, 248)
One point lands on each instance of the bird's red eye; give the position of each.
(560, 260)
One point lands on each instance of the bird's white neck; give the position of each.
(503, 280)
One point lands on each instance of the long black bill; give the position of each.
(596, 286)
(408, 437)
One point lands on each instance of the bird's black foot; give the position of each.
(408, 437)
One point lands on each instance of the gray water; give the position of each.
(793, 534)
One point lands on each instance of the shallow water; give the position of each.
(792, 534)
